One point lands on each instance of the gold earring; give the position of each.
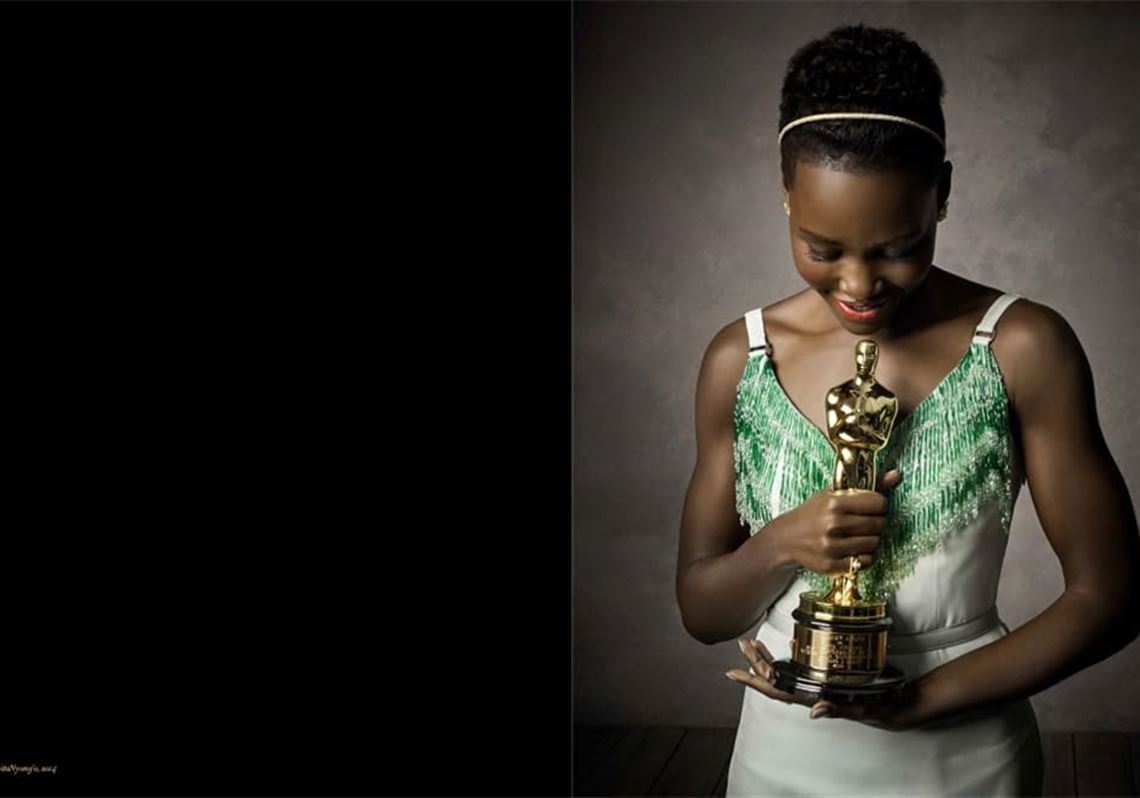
(787, 209)
(942, 210)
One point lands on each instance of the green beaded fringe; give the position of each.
(954, 450)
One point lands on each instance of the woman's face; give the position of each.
(865, 242)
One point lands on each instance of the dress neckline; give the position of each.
(898, 427)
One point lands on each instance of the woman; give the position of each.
(993, 390)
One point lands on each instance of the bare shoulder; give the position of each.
(726, 357)
(728, 350)
(722, 367)
(1036, 346)
(1027, 325)
(729, 347)
(786, 316)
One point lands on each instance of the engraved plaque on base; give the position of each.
(840, 652)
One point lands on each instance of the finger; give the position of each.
(829, 709)
(820, 709)
(762, 685)
(852, 545)
(759, 665)
(864, 502)
(841, 566)
(856, 525)
(864, 713)
(761, 649)
(888, 480)
(851, 711)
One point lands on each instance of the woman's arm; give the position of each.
(1087, 515)
(725, 579)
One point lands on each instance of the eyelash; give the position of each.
(818, 256)
(825, 258)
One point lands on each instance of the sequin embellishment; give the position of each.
(954, 450)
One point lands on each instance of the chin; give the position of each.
(862, 327)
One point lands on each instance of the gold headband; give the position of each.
(859, 115)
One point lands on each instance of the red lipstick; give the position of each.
(864, 311)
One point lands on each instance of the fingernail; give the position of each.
(819, 713)
(743, 646)
(731, 675)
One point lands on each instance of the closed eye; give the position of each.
(821, 256)
(910, 253)
(831, 256)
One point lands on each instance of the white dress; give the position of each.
(942, 610)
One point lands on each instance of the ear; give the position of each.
(944, 182)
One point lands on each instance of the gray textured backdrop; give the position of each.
(678, 230)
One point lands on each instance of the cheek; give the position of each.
(813, 272)
(907, 275)
(821, 282)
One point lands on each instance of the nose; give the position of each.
(858, 280)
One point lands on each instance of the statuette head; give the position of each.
(866, 356)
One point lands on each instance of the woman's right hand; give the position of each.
(831, 527)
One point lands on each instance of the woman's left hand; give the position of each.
(899, 714)
(902, 713)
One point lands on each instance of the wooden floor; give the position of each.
(677, 761)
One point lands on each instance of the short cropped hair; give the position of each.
(858, 68)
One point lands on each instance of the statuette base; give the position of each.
(881, 689)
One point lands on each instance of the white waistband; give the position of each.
(916, 641)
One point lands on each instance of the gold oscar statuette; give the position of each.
(840, 641)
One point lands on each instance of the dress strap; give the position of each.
(985, 329)
(757, 343)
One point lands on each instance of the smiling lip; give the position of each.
(865, 311)
(881, 300)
